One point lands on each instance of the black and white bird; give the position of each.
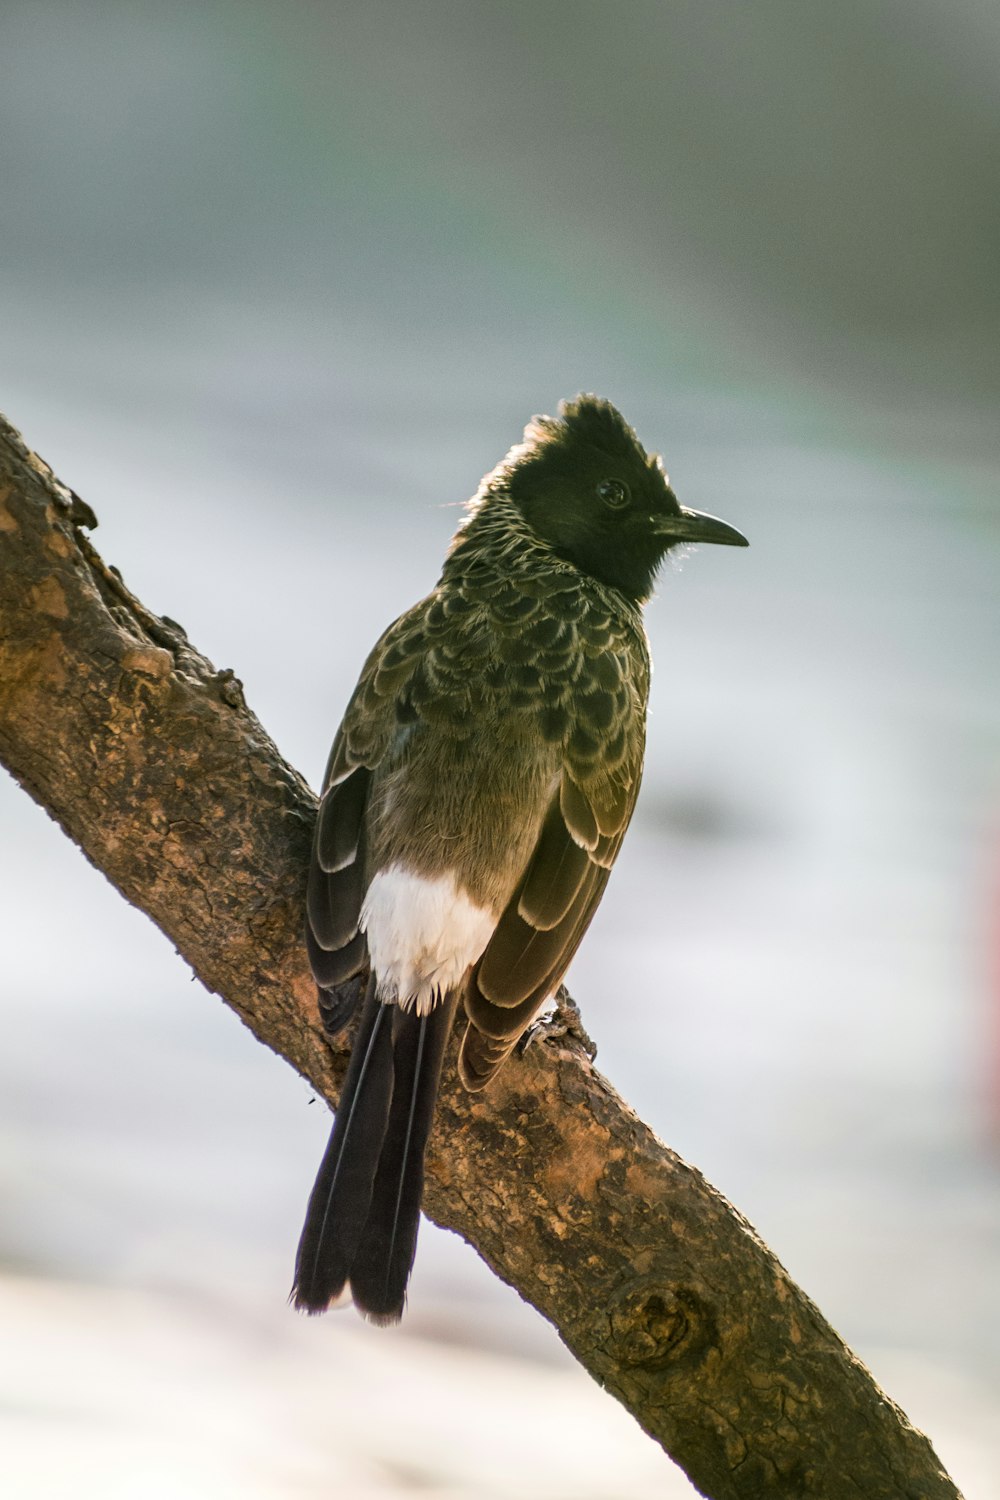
(474, 803)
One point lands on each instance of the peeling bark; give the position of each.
(152, 763)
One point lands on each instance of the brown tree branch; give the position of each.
(154, 766)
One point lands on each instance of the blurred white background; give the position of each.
(278, 284)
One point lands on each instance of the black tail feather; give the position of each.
(385, 1255)
(339, 1204)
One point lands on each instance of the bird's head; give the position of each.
(586, 486)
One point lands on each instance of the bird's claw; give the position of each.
(564, 1021)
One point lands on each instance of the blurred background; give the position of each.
(278, 284)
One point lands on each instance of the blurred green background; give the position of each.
(278, 284)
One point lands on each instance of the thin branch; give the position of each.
(152, 763)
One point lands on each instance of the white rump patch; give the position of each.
(423, 933)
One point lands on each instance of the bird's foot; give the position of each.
(564, 1021)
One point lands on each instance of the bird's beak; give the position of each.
(696, 526)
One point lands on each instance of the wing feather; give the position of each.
(333, 902)
(578, 814)
(526, 958)
(341, 817)
(335, 890)
(337, 950)
(557, 870)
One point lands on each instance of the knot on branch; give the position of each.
(655, 1327)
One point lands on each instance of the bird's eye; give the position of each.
(613, 492)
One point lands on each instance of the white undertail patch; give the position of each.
(423, 933)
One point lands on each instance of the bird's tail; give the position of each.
(364, 1212)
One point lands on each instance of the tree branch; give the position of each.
(155, 767)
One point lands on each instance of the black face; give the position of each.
(587, 487)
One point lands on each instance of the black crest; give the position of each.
(585, 422)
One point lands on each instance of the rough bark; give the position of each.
(150, 760)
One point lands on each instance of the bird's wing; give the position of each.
(338, 950)
(552, 906)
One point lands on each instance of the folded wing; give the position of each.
(544, 921)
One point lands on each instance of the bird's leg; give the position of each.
(564, 1021)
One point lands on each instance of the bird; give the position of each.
(473, 805)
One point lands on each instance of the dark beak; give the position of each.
(696, 526)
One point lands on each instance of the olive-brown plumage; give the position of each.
(475, 800)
